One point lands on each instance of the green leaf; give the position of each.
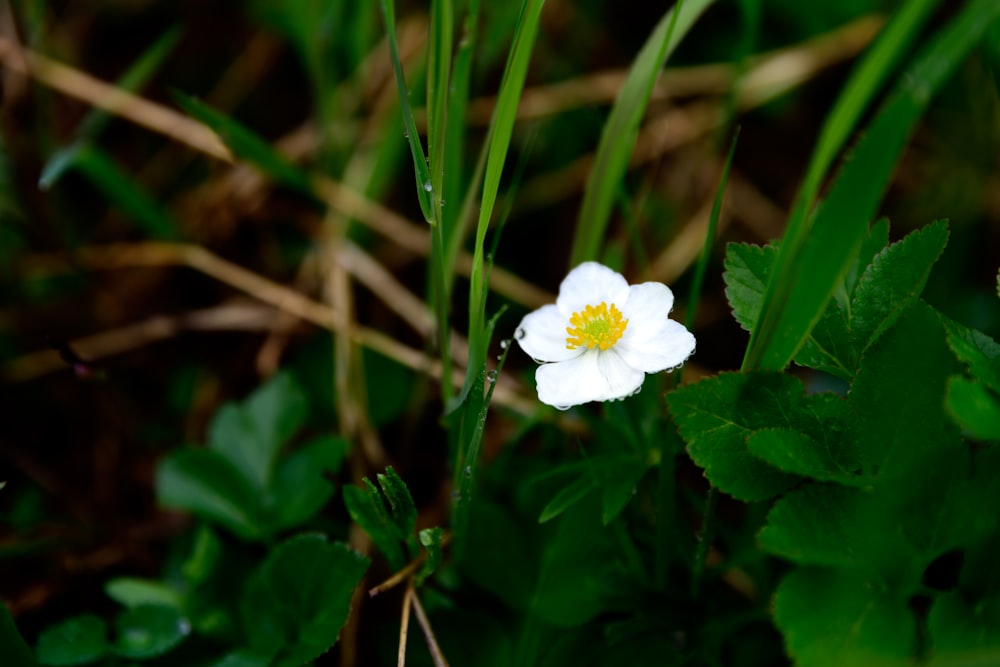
(716, 416)
(243, 658)
(78, 641)
(963, 629)
(747, 270)
(246, 144)
(148, 631)
(974, 407)
(619, 477)
(895, 279)
(798, 454)
(980, 352)
(16, 652)
(834, 618)
(206, 484)
(813, 259)
(899, 393)
(300, 488)
(622, 127)
(390, 525)
(501, 554)
(432, 539)
(828, 347)
(298, 600)
(131, 592)
(568, 496)
(250, 434)
(876, 241)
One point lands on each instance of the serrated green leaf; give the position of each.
(974, 407)
(899, 391)
(432, 539)
(131, 592)
(246, 144)
(716, 416)
(874, 242)
(979, 351)
(797, 453)
(893, 280)
(825, 524)
(250, 434)
(832, 618)
(401, 507)
(747, 269)
(206, 484)
(298, 600)
(77, 641)
(367, 509)
(148, 631)
(300, 488)
(828, 347)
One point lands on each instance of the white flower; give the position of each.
(601, 337)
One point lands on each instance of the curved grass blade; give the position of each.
(622, 127)
(809, 267)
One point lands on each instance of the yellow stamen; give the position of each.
(595, 326)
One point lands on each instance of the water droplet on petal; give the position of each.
(519, 334)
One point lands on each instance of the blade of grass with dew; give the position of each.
(501, 131)
(137, 76)
(125, 193)
(858, 94)
(420, 167)
(622, 127)
(698, 280)
(802, 284)
(454, 217)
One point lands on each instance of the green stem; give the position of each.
(707, 535)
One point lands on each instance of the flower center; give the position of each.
(595, 326)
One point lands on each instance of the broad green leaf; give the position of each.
(716, 416)
(206, 484)
(16, 652)
(876, 240)
(250, 434)
(826, 524)
(979, 351)
(974, 407)
(501, 557)
(813, 260)
(148, 631)
(577, 576)
(131, 592)
(893, 280)
(828, 347)
(298, 600)
(835, 618)
(77, 641)
(301, 486)
(797, 453)
(899, 392)
(622, 127)
(963, 628)
(246, 144)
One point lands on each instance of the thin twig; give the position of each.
(407, 570)
(404, 625)
(425, 625)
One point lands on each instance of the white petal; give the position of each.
(588, 285)
(542, 334)
(592, 376)
(652, 342)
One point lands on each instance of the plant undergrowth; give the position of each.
(372, 479)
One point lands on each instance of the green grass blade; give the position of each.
(713, 222)
(137, 76)
(622, 127)
(425, 185)
(502, 128)
(806, 273)
(125, 193)
(442, 31)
